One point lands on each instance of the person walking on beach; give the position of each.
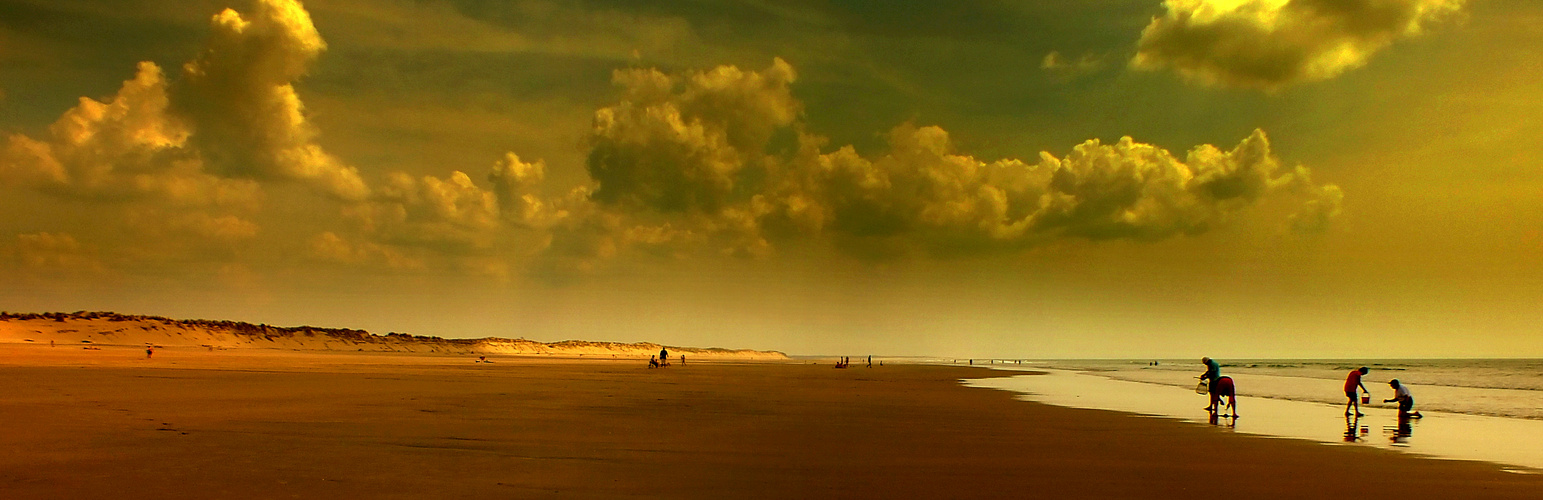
(870, 361)
(1352, 382)
(1404, 398)
(664, 356)
(1213, 371)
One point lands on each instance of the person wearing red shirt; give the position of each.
(1353, 382)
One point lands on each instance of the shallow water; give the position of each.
(1510, 441)
(1493, 387)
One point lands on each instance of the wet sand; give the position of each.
(1514, 441)
(195, 424)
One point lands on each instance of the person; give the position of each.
(870, 361)
(683, 359)
(664, 356)
(1404, 398)
(149, 351)
(1213, 371)
(1225, 387)
(653, 362)
(1352, 382)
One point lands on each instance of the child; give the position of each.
(1351, 383)
(1404, 398)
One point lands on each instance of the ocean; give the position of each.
(1495, 387)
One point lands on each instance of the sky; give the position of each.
(1098, 178)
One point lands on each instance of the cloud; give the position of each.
(1067, 69)
(231, 121)
(922, 194)
(129, 147)
(687, 143)
(1269, 44)
(680, 162)
(239, 93)
(450, 214)
(516, 184)
(185, 160)
(55, 252)
(714, 161)
(203, 227)
(328, 246)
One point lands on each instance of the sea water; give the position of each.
(1486, 409)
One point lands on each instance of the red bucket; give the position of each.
(1366, 400)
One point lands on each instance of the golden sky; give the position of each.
(1234, 178)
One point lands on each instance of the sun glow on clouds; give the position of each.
(1269, 44)
(717, 160)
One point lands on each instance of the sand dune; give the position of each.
(89, 329)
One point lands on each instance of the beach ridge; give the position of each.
(109, 328)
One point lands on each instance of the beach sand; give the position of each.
(274, 424)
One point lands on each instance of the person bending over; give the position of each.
(1352, 382)
(1213, 371)
(1404, 398)
(1225, 387)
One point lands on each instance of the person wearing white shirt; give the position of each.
(1404, 398)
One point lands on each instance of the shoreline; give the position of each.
(282, 425)
(1503, 441)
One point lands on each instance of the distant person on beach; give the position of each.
(149, 351)
(1404, 398)
(653, 362)
(664, 356)
(1352, 382)
(683, 359)
(1213, 371)
(870, 361)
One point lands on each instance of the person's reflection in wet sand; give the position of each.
(1352, 428)
(1404, 432)
(1220, 419)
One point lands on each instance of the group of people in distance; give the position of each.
(663, 359)
(846, 361)
(1218, 385)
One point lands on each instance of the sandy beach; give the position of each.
(273, 424)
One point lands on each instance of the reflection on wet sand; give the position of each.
(1354, 430)
(1399, 435)
(1222, 419)
(1470, 437)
